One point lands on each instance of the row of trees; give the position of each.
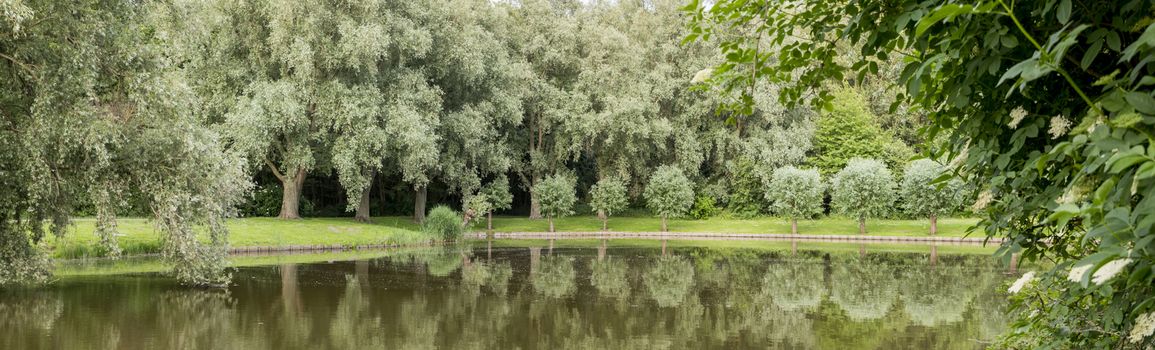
(864, 188)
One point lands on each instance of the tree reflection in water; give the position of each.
(555, 276)
(631, 298)
(864, 290)
(794, 286)
(668, 280)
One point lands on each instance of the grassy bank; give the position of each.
(140, 237)
(949, 227)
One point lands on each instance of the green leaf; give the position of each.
(1063, 214)
(1064, 11)
(1147, 170)
(1142, 102)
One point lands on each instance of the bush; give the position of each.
(557, 196)
(850, 130)
(608, 196)
(863, 189)
(669, 193)
(795, 193)
(443, 223)
(704, 207)
(923, 198)
(746, 196)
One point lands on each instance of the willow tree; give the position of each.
(92, 106)
(481, 85)
(543, 39)
(795, 193)
(863, 189)
(296, 83)
(923, 196)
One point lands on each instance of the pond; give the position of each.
(603, 297)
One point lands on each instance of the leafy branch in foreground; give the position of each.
(1046, 107)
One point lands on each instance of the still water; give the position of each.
(534, 298)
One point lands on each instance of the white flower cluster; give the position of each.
(1144, 327)
(1021, 282)
(1109, 270)
(1077, 273)
(1059, 126)
(983, 201)
(702, 76)
(1017, 116)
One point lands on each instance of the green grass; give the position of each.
(140, 236)
(947, 227)
(747, 244)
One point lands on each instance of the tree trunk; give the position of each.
(534, 204)
(793, 226)
(363, 207)
(933, 224)
(489, 221)
(291, 196)
(862, 225)
(664, 229)
(419, 204)
(605, 224)
(550, 218)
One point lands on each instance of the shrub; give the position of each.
(745, 191)
(443, 223)
(863, 189)
(669, 193)
(607, 197)
(795, 193)
(557, 197)
(704, 207)
(922, 197)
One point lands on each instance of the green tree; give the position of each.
(923, 197)
(607, 197)
(850, 130)
(493, 196)
(92, 106)
(863, 189)
(556, 195)
(1046, 105)
(669, 193)
(795, 193)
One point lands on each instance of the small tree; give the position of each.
(669, 193)
(494, 196)
(556, 195)
(795, 193)
(863, 189)
(922, 197)
(607, 197)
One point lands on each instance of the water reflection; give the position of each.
(864, 290)
(668, 280)
(497, 297)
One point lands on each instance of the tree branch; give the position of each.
(273, 167)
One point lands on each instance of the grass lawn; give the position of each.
(140, 237)
(948, 227)
(745, 244)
